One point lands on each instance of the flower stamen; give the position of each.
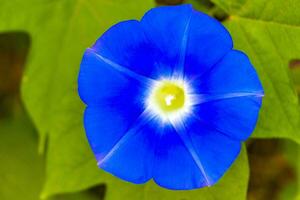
(168, 98)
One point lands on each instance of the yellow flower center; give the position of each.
(169, 96)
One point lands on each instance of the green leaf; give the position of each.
(60, 31)
(71, 166)
(22, 169)
(232, 186)
(19, 158)
(269, 32)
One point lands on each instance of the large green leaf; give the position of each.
(22, 169)
(19, 158)
(269, 32)
(60, 31)
(232, 186)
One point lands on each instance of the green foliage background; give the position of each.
(60, 31)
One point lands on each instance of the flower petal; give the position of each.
(105, 125)
(233, 74)
(208, 41)
(235, 117)
(167, 28)
(213, 150)
(126, 44)
(175, 167)
(123, 147)
(230, 96)
(99, 82)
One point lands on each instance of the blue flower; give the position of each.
(168, 99)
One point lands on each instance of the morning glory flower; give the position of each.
(168, 99)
